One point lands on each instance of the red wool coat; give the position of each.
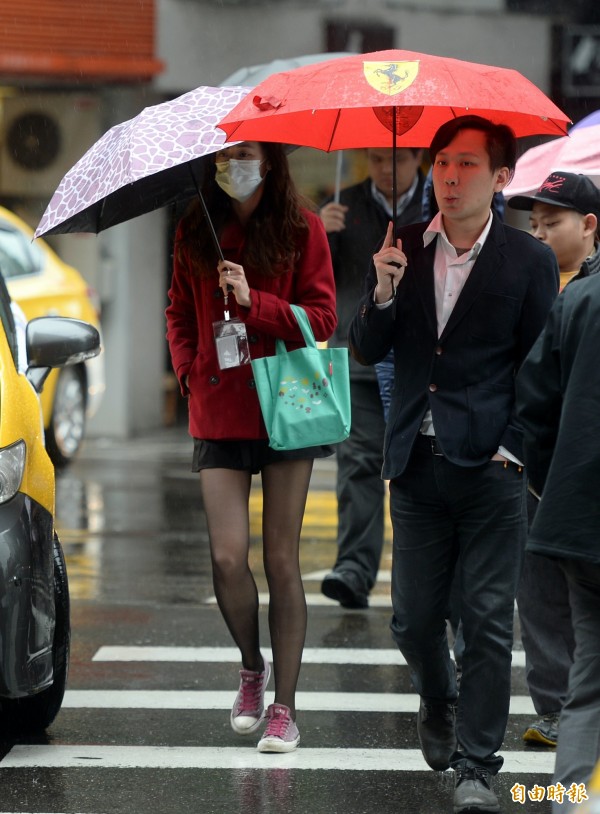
(223, 404)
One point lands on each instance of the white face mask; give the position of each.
(238, 179)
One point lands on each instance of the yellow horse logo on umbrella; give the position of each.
(391, 77)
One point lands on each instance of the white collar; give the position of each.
(436, 227)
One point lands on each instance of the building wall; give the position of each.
(203, 43)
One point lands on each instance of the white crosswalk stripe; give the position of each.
(315, 600)
(310, 655)
(104, 756)
(307, 701)
(101, 756)
(192, 757)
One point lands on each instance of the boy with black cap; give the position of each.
(565, 214)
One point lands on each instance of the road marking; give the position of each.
(382, 575)
(317, 600)
(320, 520)
(306, 701)
(311, 655)
(231, 655)
(198, 757)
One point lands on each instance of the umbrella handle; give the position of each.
(338, 176)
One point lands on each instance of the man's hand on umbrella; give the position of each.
(232, 278)
(333, 216)
(390, 263)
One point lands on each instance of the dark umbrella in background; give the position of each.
(255, 74)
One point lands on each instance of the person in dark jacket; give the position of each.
(354, 228)
(461, 300)
(558, 405)
(564, 214)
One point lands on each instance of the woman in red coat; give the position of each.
(276, 253)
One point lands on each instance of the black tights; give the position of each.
(226, 494)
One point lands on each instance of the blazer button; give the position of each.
(218, 293)
(213, 380)
(251, 384)
(433, 388)
(253, 339)
(438, 351)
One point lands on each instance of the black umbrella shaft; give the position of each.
(207, 216)
(394, 179)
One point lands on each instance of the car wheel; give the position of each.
(65, 433)
(35, 713)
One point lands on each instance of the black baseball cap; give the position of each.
(567, 189)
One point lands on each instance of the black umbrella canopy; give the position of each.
(168, 187)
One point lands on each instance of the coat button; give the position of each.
(433, 388)
(251, 384)
(253, 339)
(218, 293)
(213, 380)
(438, 351)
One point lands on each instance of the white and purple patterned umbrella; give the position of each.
(142, 164)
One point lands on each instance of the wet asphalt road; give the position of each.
(145, 722)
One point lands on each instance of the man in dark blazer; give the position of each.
(558, 403)
(460, 300)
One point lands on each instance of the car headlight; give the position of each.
(12, 466)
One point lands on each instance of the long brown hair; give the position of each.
(275, 232)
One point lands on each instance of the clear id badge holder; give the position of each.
(231, 341)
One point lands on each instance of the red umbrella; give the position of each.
(353, 102)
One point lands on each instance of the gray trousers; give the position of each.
(360, 489)
(546, 631)
(578, 748)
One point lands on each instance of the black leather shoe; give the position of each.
(435, 727)
(473, 791)
(344, 588)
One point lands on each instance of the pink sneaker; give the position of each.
(281, 734)
(249, 707)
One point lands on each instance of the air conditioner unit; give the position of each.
(41, 137)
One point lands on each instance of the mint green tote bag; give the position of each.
(304, 394)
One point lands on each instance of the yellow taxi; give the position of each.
(43, 285)
(34, 595)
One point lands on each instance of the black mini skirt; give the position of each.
(248, 455)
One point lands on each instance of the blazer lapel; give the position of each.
(422, 259)
(485, 267)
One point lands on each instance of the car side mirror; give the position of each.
(57, 342)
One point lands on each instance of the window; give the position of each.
(17, 256)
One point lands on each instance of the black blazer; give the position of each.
(466, 376)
